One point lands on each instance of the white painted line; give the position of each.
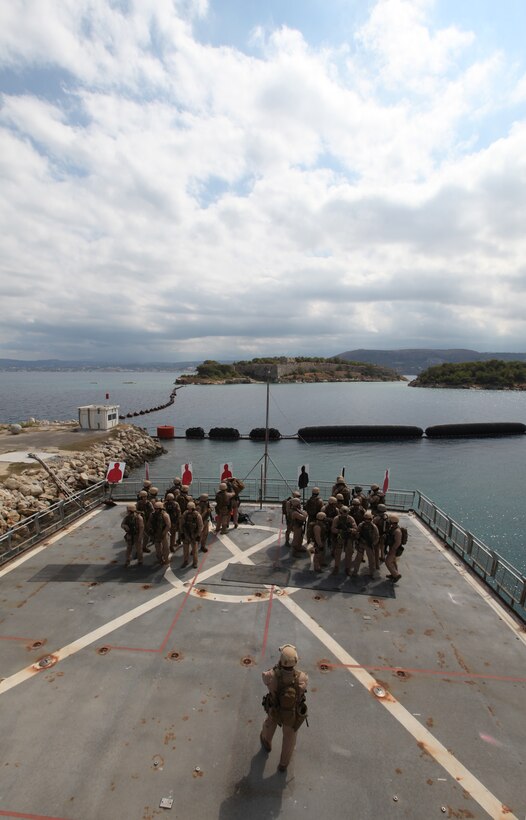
(122, 620)
(32, 551)
(477, 584)
(422, 736)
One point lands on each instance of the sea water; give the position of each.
(479, 482)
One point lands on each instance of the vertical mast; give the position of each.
(265, 460)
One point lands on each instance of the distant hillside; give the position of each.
(493, 375)
(415, 360)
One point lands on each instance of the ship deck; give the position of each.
(123, 688)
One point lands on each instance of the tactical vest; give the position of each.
(190, 525)
(173, 510)
(130, 521)
(367, 533)
(144, 507)
(313, 505)
(157, 524)
(289, 707)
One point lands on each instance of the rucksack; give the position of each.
(403, 541)
(286, 697)
(344, 523)
(284, 506)
(367, 533)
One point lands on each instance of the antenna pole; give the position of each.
(265, 459)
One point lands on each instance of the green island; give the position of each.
(283, 370)
(492, 375)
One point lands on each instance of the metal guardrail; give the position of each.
(506, 581)
(35, 528)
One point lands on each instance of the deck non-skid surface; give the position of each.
(121, 687)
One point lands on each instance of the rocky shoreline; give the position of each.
(27, 489)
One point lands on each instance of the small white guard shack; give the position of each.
(98, 416)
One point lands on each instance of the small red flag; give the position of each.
(107, 396)
(386, 482)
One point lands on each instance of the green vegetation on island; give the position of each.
(281, 369)
(492, 375)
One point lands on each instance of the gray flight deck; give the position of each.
(121, 688)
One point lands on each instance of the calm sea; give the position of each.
(481, 483)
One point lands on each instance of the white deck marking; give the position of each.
(423, 736)
(463, 569)
(32, 551)
(124, 619)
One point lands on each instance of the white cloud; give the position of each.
(180, 197)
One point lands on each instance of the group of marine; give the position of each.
(178, 520)
(350, 525)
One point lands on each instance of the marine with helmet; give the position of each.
(145, 508)
(393, 541)
(287, 512)
(319, 536)
(183, 497)
(375, 496)
(191, 529)
(365, 543)
(299, 519)
(146, 484)
(331, 510)
(312, 507)
(205, 511)
(133, 526)
(285, 703)
(344, 531)
(223, 498)
(357, 511)
(381, 519)
(175, 489)
(174, 511)
(341, 487)
(159, 528)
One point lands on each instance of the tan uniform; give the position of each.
(191, 529)
(133, 526)
(272, 720)
(205, 511)
(393, 540)
(368, 538)
(319, 532)
(145, 508)
(223, 498)
(299, 518)
(343, 531)
(174, 511)
(159, 525)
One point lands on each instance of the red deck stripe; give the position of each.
(443, 672)
(16, 638)
(29, 816)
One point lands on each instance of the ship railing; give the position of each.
(28, 532)
(506, 581)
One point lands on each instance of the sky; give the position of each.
(190, 179)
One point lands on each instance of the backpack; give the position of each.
(367, 532)
(344, 524)
(405, 536)
(284, 505)
(286, 697)
(131, 522)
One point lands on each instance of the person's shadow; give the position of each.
(255, 796)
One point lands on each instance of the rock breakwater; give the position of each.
(28, 489)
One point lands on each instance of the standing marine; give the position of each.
(285, 703)
(133, 526)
